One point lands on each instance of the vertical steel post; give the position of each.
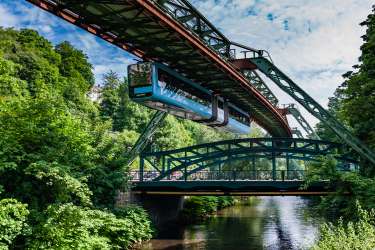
(287, 167)
(163, 164)
(253, 167)
(273, 161)
(141, 168)
(273, 166)
(168, 168)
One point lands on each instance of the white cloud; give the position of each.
(322, 41)
(6, 18)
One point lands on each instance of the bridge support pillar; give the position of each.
(163, 209)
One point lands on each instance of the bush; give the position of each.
(73, 227)
(13, 216)
(354, 235)
(199, 207)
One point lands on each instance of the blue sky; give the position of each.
(313, 41)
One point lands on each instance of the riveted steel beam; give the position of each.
(144, 138)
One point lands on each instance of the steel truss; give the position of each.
(144, 138)
(291, 88)
(172, 32)
(293, 110)
(192, 159)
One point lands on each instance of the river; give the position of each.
(272, 223)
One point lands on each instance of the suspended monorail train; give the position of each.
(157, 86)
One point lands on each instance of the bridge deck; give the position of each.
(144, 28)
(235, 188)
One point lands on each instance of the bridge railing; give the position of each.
(223, 175)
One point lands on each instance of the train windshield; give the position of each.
(140, 74)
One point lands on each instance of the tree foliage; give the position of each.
(347, 236)
(354, 101)
(13, 217)
(58, 155)
(62, 154)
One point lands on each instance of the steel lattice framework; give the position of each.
(196, 158)
(173, 32)
(290, 87)
(144, 138)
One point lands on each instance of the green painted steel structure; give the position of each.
(192, 160)
(291, 88)
(144, 138)
(173, 32)
(233, 188)
(293, 110)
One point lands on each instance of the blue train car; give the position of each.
(157, 86)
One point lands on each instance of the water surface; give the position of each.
(273, 223)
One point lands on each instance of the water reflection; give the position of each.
(274, 223)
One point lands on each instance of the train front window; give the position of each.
(140, 74)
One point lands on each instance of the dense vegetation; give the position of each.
(62, 153)
(353, 104)
(350, 235)
(197, 208)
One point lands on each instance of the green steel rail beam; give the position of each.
(291, 88)
(293, 110)
(143, 139)
(296, 132)
(261, 86)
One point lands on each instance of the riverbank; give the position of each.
(198, 208)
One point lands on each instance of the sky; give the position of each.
(313, 41)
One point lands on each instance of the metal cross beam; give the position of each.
(291, 88)
(143, 139)
(293, 110)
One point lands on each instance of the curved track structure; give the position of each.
(173, 32)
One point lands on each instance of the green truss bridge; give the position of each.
(270, 166)
(175, 33)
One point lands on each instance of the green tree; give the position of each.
(57, 154)
(109, 96)
(354, 101)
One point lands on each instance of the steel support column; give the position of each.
(141, 168)
(292, 89)
(143, 139)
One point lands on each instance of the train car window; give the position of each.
(238, 116)
(140, 74)
(179, 87)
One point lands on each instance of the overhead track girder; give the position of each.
(136, 25)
